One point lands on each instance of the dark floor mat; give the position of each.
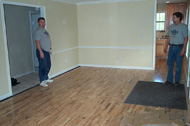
(158, 94)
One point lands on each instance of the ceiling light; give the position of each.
(167, 1)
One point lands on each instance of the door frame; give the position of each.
(188, 78)
(42, 14)
(31, 35)
(188, 50)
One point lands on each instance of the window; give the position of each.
(160, 21)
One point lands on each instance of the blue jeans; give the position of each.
(44, 65)
(173, 56)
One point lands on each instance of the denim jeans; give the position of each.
(44, 65)
(174, 56)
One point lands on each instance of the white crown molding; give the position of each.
(65, 1)
(94, 2)
(106, 1)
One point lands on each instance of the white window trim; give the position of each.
(165, 28)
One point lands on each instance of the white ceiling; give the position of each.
(108, 1)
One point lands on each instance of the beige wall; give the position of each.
(116, 34)
(64, 61)
(62, 25)
(121, 58)
(61, 21)
(109, 34)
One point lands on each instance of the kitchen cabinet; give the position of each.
(176, 7)
(160, 45)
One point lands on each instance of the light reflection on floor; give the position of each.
(158, 80)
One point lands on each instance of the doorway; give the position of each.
(20, 23)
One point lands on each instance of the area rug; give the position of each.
(159, 95)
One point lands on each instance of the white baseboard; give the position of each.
(61, 72)
(121, 67)
(2, 97)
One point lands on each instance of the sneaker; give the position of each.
(176, 84)
(167, 82)
(43, 84)
(49, 81)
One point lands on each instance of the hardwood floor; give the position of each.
(89, 96)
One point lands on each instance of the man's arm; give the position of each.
(184, 46)
(166, 45)
(39, 48)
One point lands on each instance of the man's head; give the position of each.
(177, 17)
(41, 22)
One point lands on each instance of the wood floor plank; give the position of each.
(86, 96)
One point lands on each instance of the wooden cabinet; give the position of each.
(177, 7)
(160, 45)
